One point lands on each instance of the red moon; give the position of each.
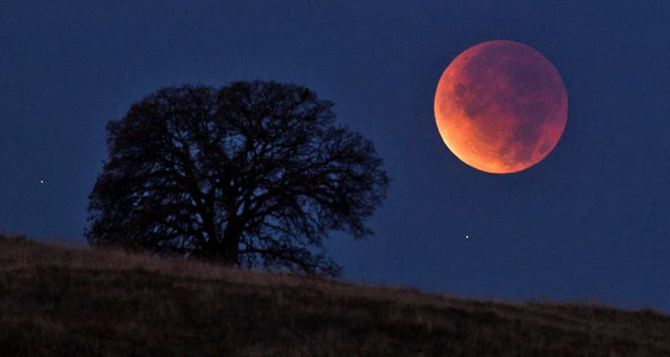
(501, 107)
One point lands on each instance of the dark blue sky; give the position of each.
(590, 222)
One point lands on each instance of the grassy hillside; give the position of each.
(63, 301)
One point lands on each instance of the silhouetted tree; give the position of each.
(256, 173)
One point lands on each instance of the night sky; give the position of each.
(589, 223)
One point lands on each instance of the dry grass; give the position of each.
(70, 301)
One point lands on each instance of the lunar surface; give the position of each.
(501, 107)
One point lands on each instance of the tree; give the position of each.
(255, 173)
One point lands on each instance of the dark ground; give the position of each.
(72, 301)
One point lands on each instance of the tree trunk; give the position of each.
(213, 248)
(231, 241)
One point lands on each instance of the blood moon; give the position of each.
(501, 107)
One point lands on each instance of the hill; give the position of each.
(76, 301)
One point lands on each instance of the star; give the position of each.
(42, 182)
(467, 236)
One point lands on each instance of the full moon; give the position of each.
(501, 107)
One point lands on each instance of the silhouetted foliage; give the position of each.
(256, 173)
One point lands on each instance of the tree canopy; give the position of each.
(254, 173)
